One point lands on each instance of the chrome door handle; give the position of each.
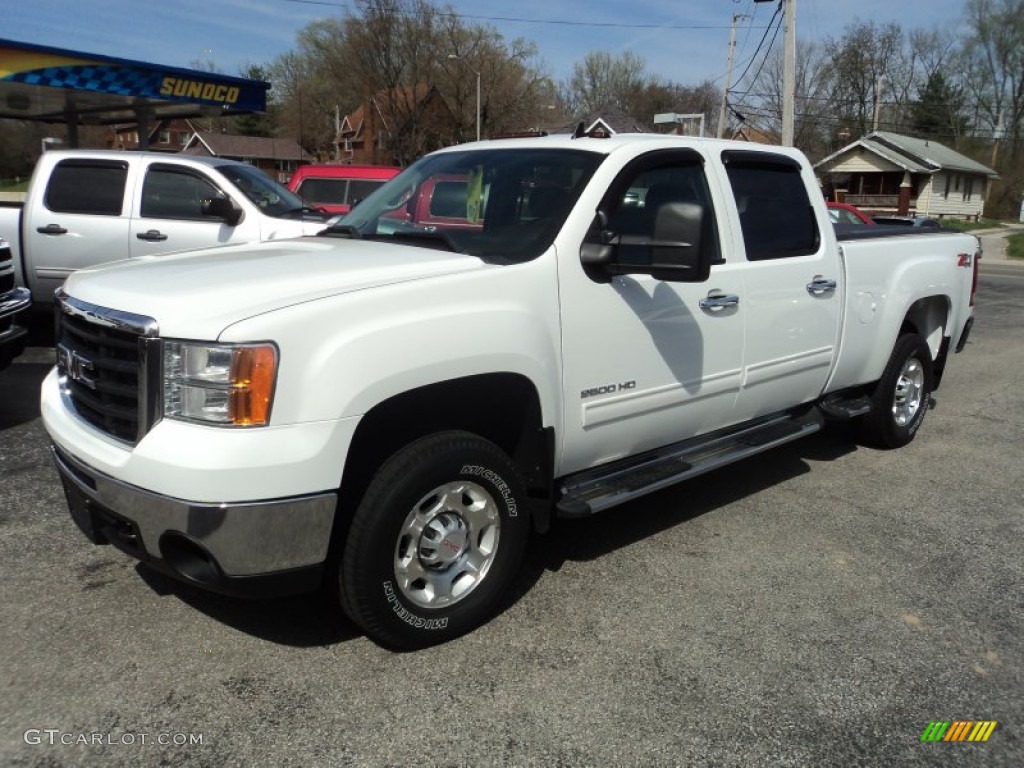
(820, 285)
(719, 301)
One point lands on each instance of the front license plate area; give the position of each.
(79, 506)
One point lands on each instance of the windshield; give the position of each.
(505, 204)
(272, 198)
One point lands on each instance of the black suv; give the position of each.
(14, 310)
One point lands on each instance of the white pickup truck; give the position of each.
(89, 207)
(391, 408)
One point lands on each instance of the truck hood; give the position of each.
(199, 293)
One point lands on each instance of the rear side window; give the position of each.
(87, 186)
(775, 212)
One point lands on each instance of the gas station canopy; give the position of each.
(60, 86)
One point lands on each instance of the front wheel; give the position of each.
(435, 542)
(902, 396)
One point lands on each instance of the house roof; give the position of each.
(231, 145)
(382, 103)
(613, 119)
(756, 136)
(914, 155)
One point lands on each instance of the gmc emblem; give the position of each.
(76, 367)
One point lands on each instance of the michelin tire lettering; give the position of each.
(410, 618)
(495, 479)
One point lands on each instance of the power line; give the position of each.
(522, 20)
(750, 63)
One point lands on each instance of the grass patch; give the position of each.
(968, 226)
(1015, 246)
(21, 186)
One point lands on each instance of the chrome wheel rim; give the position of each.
(909, 387)
(447, 544)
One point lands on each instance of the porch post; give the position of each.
(903, 208)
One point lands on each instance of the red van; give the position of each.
(336, 188)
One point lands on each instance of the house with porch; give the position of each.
(891, 173)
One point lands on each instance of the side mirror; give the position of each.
(223, 208)
(676, 251)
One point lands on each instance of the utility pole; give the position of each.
(728, 73)
(789, 73)
(878, 102)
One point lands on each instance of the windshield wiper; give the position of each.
(440, 240)
(341, 230)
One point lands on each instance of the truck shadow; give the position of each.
(594, 537)
(19, 392)
(316, 620)
(301, 621)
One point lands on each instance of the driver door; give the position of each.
(169, 213)
(647, 362)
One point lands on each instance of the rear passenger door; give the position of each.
(81, 221)
(791, 284)
(169, 213)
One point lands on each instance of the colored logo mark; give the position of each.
(959, 730)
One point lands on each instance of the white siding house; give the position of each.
(888, 172)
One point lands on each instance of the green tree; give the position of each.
(937, 109)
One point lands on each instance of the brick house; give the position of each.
(380, 130)
(278, 158)
(170, 135)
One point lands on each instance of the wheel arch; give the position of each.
(504, 408)
(928, 317)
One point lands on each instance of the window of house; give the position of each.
(164, 137)
(172, 193)
(776, 216)
(87, 186)
(956, 183)
(183, 138)
(968, 188)
(945, 192)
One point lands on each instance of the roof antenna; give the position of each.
(580, 131)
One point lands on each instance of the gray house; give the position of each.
(887, 172)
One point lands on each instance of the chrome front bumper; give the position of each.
(253, 549)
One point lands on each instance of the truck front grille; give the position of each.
(6, 268)
(109, 365)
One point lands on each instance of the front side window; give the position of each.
(638, 199)
(776, 216)
(87, 186)
(170, 192)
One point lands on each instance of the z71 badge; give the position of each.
(607, 389)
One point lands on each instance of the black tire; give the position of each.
(902, 396)
(439, 507)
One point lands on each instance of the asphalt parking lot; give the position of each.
(816, 606)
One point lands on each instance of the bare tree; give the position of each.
(602, 80)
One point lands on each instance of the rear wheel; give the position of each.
(435, 542)
(902, 396)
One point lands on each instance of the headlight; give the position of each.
(230, 384)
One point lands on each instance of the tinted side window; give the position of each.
(360, 188)
(633, 218)
(87, 186)
(324, 191)
(775, 212)
(171, 193)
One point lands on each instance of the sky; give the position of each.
(685, 41)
